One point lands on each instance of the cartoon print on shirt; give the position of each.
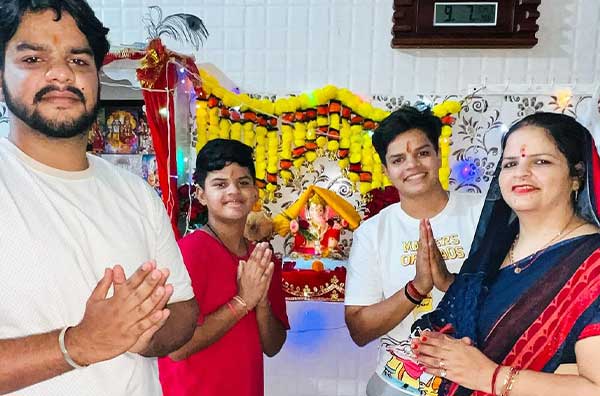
(404, 371)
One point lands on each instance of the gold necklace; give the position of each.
(517, 269)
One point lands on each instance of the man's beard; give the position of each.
(51, 128)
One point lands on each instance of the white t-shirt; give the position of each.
(384, 252)
(58, 232)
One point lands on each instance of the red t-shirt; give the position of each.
(234, 364)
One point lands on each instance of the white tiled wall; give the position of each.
(283, 46)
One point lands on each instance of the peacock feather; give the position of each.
(180, 27)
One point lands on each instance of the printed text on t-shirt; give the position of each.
(450, 246)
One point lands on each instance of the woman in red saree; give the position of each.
(527, 301)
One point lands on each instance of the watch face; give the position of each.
(482, 13)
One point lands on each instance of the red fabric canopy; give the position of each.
(158, 75)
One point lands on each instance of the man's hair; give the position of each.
(219, 153)
(12, 11)
(403, 120)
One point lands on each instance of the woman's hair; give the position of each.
(12, 11)
(402, 120)
(219, 153)
(568, 135)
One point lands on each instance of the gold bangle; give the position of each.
(513, 379)
(508, 381)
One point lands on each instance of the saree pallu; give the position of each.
(539, 324)
(538, 328)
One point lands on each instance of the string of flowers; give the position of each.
(445, 112)
(288, 132)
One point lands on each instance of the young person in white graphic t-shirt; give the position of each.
(403, 258)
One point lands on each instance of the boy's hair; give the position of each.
(12, 11)
(219, 153)
(403, 120)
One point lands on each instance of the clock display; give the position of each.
(465, 14)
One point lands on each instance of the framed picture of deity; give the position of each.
(122, 123)
(96, 134)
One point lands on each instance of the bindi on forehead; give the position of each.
(408, 147)
(524, 151)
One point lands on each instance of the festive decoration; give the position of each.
(317, 231)
(562, 99)
(314, 285)
(180, 27)
(161, 73)
(289, 132)
(445, 111)
(465, 171)
(191, 210)
(381, 198)
(158, 74)
(281, 222)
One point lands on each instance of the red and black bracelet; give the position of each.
(415, 292)
(412, 294)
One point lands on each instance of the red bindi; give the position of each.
(523, 151)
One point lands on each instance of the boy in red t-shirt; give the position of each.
(238, 288)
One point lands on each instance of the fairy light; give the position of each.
(563, 98)
(465, 171)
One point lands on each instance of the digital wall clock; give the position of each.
(465, 24)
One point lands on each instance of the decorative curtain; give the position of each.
(162, 127)
(158, 74)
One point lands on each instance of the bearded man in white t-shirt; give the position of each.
(403, 258)
(92, 284)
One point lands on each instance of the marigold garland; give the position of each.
(288, 132)
(445, 112)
